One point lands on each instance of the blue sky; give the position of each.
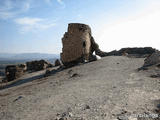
(38, 25)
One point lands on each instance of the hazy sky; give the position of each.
(39, 25)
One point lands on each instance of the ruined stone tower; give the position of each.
(76, 43)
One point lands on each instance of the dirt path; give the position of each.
(108, 89)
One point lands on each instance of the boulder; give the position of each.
(152, 59)
(38, 65)
(13, 72)
(57, 62)
(48, 73)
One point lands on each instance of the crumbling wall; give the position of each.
(37, 65)
(76, 43)
(13, 72)
(141, 51)
(79, 45)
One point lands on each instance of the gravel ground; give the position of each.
(107, 89)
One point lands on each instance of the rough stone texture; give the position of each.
(23, 66)
(95, 47)
(13, 72)
(57, 62)
(139, 52)
(38, 65)
(79, 45)
(76, 43)
(152, 59)
(48, 73)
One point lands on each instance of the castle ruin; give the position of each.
(79, 45)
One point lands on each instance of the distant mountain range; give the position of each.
(27, 56)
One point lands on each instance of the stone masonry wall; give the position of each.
(76, 43)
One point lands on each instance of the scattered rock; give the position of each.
(57, 62)
(48, 73)
(142, 68)
(64, 116)
(70, 114)
(155, 76)
(123, 115)
(87, 107)
(122, 118)
(158, 65)
(158, 106)
(17, 98)
(152, 59)
(70, 71)
(74, 75)
(61, 118)
(157, 110)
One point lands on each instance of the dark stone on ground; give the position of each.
(17, 98)
(87, 107)
(48, 73)
(152, 59)
(57, 63)
(155, 76)
(74, 75)
(92, 58)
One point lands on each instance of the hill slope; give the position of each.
(108, 89)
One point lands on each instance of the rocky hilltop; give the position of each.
(108, 89)
(122, 85)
